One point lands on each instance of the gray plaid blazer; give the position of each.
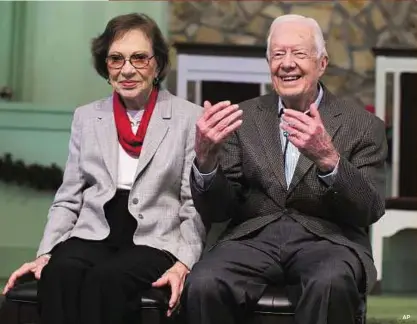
(160, 199)
(250, 188)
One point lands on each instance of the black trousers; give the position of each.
(322, 278)
(98, 282)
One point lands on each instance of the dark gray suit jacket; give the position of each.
(250, 189)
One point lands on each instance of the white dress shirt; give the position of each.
(128, 164)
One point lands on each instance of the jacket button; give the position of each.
(135, 201)
(140, 216)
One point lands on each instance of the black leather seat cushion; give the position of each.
(274, 299)
(26, 292)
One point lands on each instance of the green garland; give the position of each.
(35, 176)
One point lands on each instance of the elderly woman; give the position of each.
(123, 219)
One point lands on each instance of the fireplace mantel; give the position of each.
(394, 52)
(221, 49)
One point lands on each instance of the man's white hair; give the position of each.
(317, 32)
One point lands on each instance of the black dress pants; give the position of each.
(322, 278)
(98, 282)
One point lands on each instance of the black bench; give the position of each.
(273, 307)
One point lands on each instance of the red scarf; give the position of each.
(132, 143)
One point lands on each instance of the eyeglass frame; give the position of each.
(148, 60)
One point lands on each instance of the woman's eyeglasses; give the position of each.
(138, 61)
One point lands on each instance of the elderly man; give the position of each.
(300, 175)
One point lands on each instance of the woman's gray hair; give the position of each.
(317, 32)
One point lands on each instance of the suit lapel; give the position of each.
(105, 128)
(267, 122)
(157, 129)
(328, 112)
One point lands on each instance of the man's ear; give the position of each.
(323, 63)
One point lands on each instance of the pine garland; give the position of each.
(35, 176)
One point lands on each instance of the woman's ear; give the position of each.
(157, 72)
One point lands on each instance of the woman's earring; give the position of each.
(156, 81)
